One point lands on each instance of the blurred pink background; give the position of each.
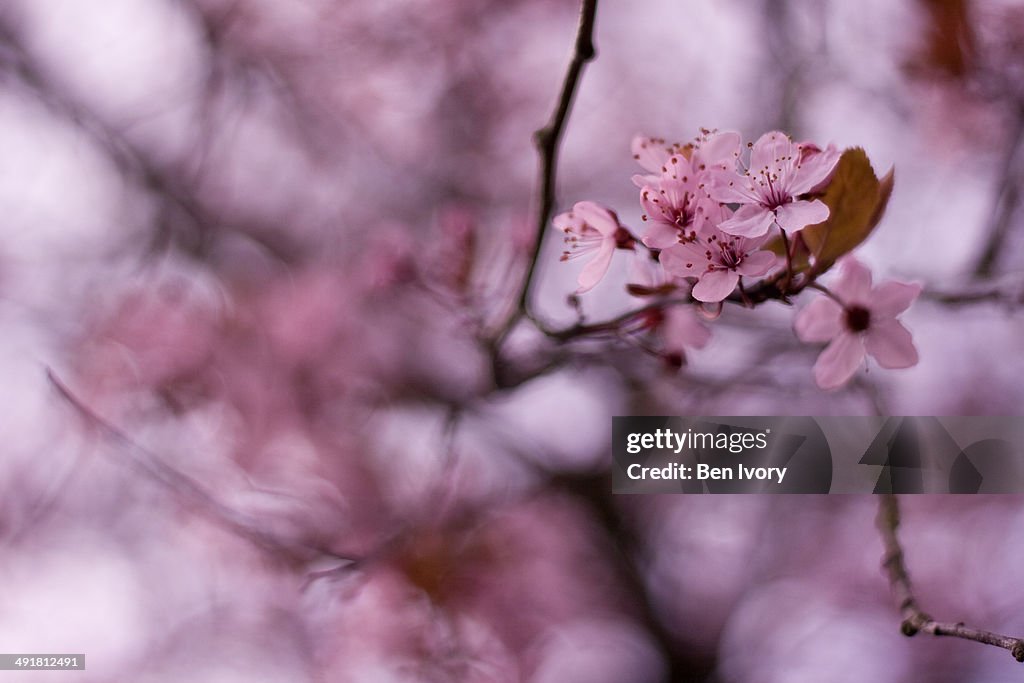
(263, 239)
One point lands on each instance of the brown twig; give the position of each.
(547, 141)
(916, 620)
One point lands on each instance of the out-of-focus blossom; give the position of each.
(682, 329)
(864, 322)
(769, 191)
(592, 229)
(677, 327)
(452, 260)
(718, 260)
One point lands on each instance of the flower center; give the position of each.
(775, 194)
(730, 259)
(858, 318)
(724, 254)
(684, 213)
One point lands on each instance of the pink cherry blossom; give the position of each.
(712, 151)
(674, 199)
(864, 323)
(779, 173)
(592, 229)
(682, 328)
(718, 260)
(676, 209)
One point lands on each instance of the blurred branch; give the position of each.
(506, 377)
(1006, 202)
(762, 291)
(1008, 295)
(184, 486)
(179, 204)
(547, 141)
(915, 620)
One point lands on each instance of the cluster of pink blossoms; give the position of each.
(713, 220)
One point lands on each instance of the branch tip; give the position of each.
(915, 619)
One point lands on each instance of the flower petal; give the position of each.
(677, 192)
(683, 260)
(643, 180)
(683, 328)
(566, 221)
(819, 321)
(678, 168)
(730, 187)
(720, 150)
(645, 271)
(715, 285)
(854, 283)
(891, 344)
(798, 215)
(891, 298)
(651, 201)
(771, 151)
(602, 219)
(649, 153)
(661, 235)
(596, 268)
(813, 169)
(837, 363)
(757, 264)
(750, 220)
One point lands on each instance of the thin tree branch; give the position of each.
(915, 619)
(201, 500)
(547, 141)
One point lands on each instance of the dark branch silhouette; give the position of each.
(547, 141)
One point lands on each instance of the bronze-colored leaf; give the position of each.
(856, 200)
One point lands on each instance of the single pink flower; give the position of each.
(592, 229)
(676, 209)
(718, 260)
(779, 173)
(865, 322)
